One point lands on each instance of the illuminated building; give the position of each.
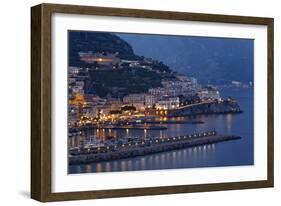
(168, 103)
(73, 115)
(209, 92)
(150, 100)
(77, 100)
(101, 58)
(136, 100)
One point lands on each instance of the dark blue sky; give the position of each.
(214, 60)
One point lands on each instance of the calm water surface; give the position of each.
(231, 153)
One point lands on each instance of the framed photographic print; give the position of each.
(130, 102)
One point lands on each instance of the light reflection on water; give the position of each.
(164, 160)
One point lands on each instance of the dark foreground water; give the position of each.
(231, 153)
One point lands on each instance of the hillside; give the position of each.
(97, 42)
(115, 82)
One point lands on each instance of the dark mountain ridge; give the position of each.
(119, 81)
(97, 42)
(209, 59)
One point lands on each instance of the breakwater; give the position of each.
(144, 147)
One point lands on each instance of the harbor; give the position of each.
(224, 153)
(113, 150)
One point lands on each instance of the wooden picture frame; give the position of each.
(41, 117)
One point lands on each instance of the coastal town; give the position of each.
(174, 97)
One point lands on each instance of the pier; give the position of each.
(144, 147)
